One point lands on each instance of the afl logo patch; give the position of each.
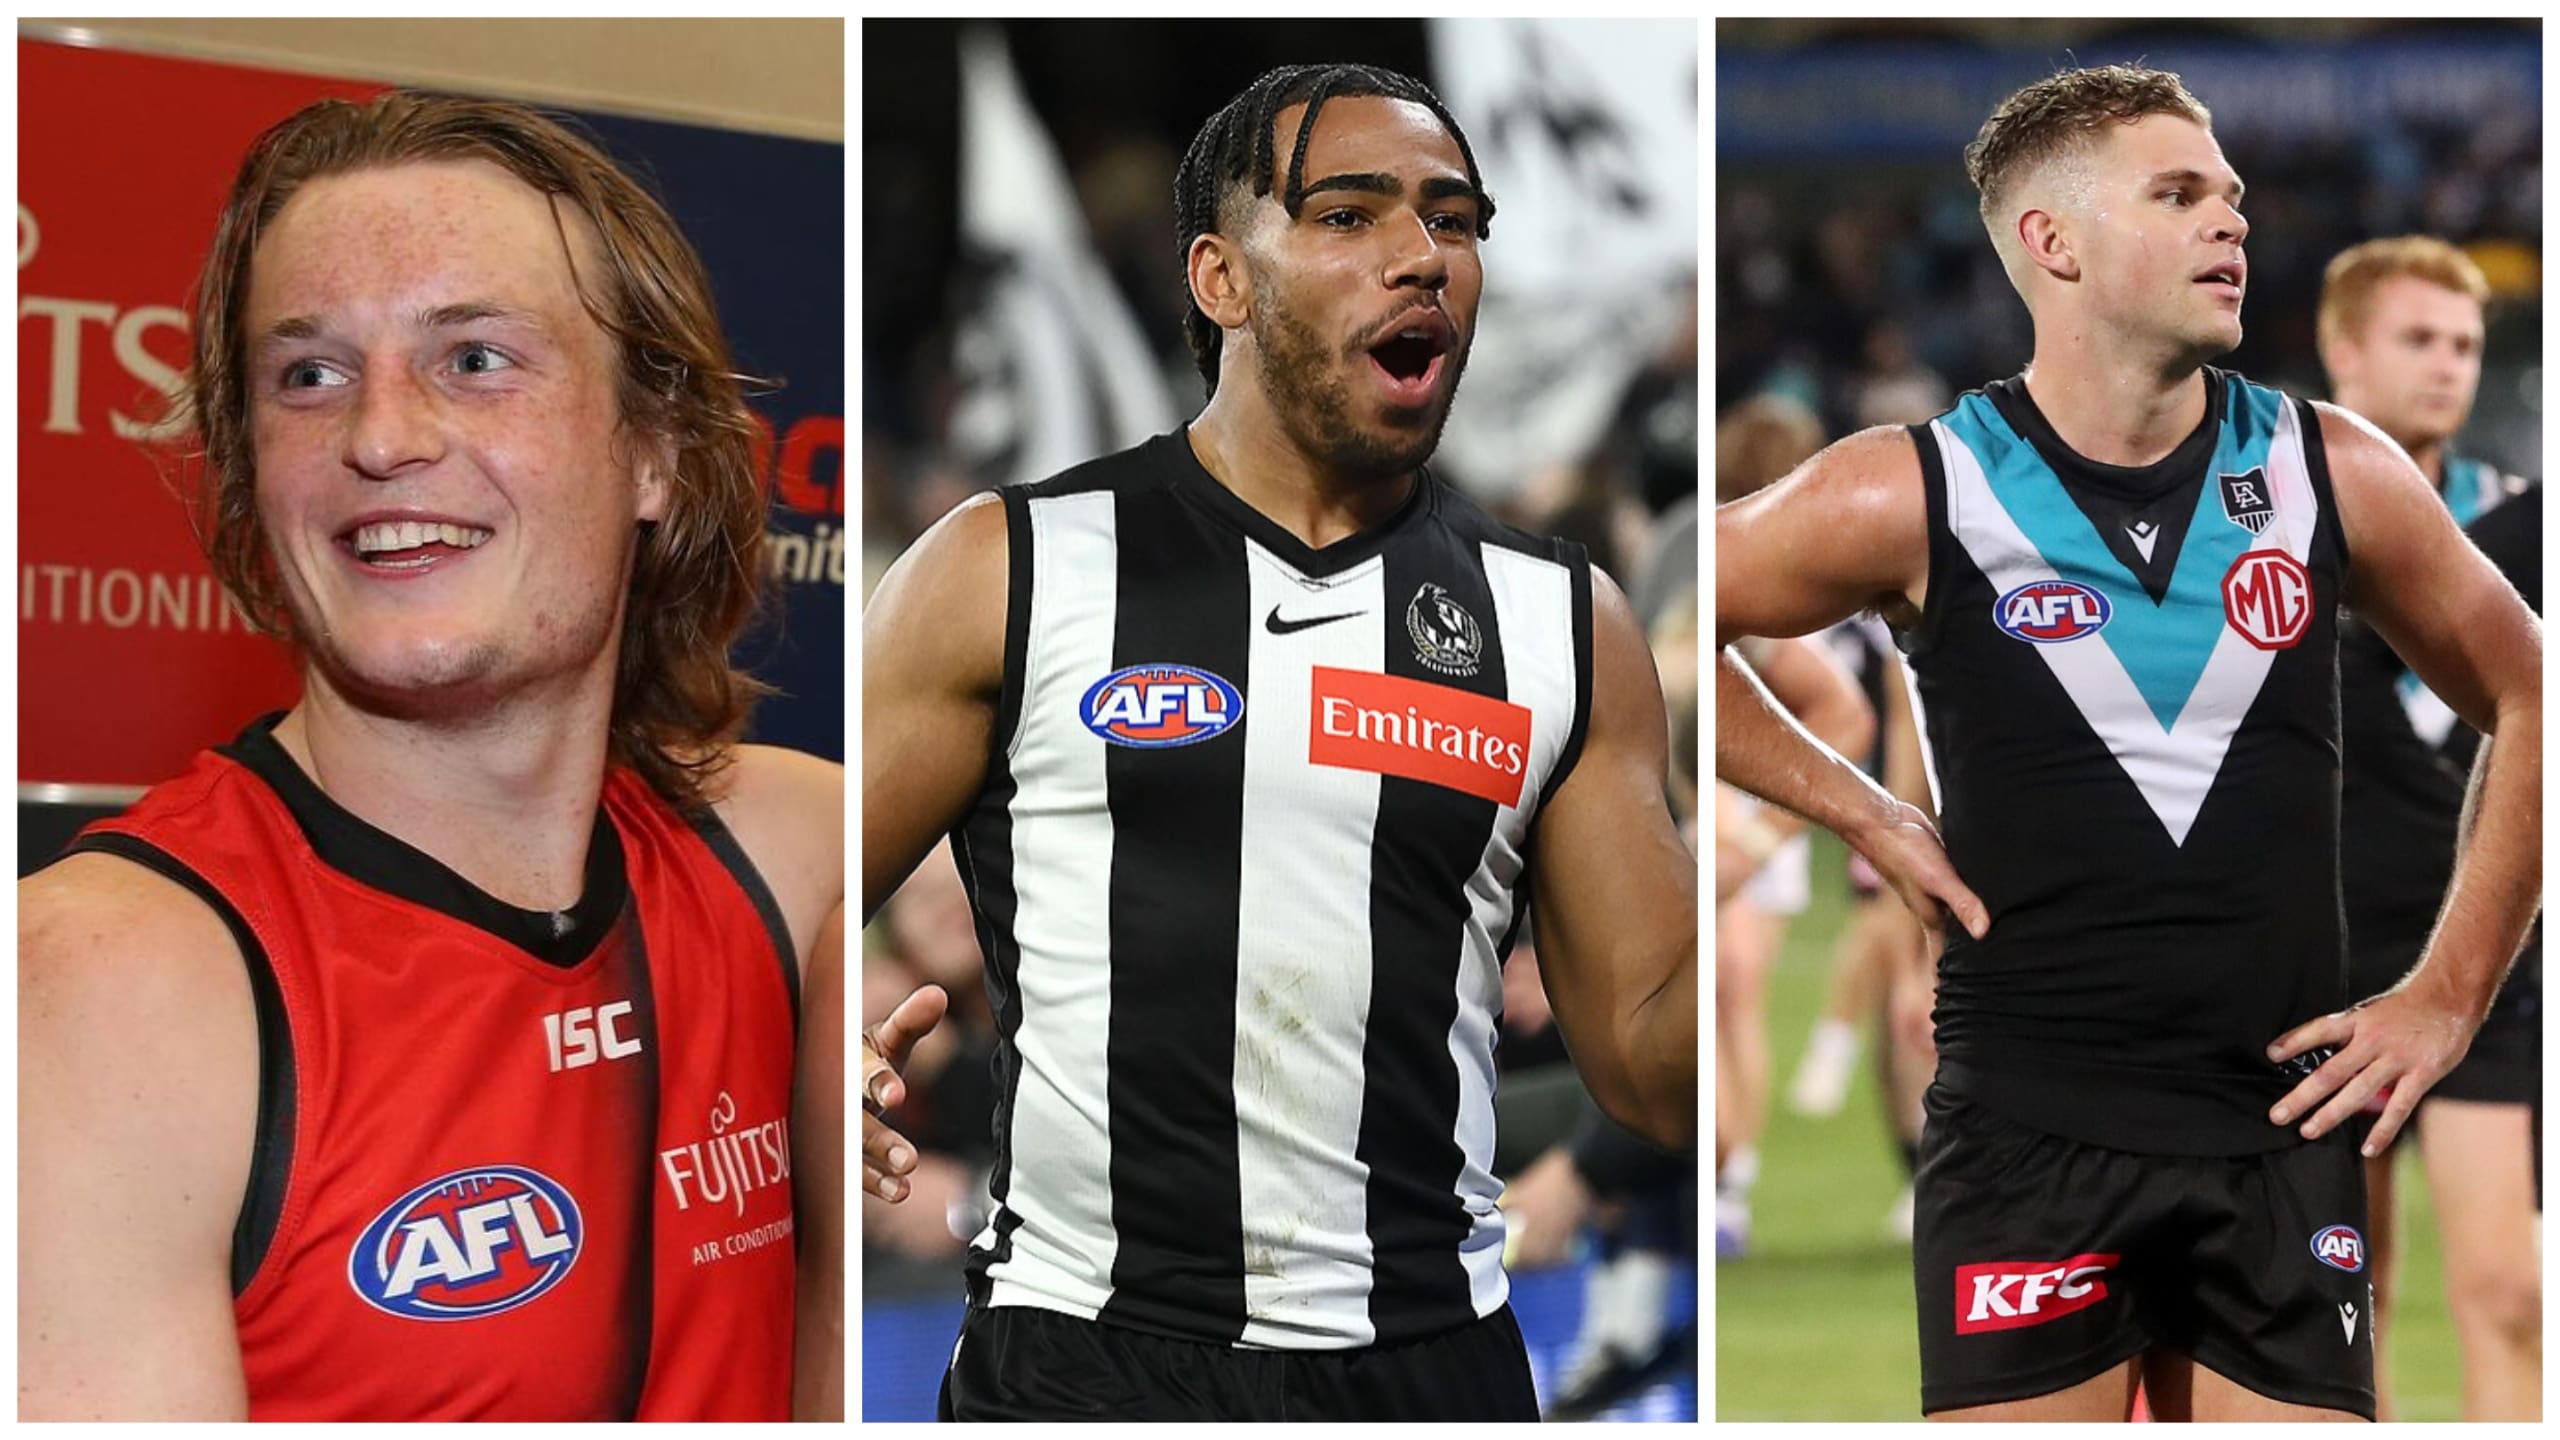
(2048, 612)
(1151, 707)
(466, 1244)
(2340, 1248)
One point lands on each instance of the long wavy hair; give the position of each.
(698, 578)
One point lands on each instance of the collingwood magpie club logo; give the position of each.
(2246, 502)
(1445, 637)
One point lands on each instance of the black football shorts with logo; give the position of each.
(2041, 1262)
(1018, 1363)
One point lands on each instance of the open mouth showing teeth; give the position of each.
(409, 544)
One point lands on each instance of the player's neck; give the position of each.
(1242, 444)
(506, 798)
(2115, 414)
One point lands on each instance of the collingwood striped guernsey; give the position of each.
(1245, 869)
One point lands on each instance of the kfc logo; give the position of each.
(2009, 1294)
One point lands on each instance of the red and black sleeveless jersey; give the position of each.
(510, 1164)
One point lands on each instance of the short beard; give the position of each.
(1314, 406)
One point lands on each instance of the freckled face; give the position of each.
(440, 469)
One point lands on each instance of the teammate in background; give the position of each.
(1751, 923)
(1252, 741)
(427, 1052)
(2116, 577)
(2401, 333)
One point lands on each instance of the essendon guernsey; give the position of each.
(509, 1164)
(1247, 863)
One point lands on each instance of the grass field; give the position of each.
(1817, 1323)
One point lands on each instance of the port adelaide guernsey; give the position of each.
(2130, 683)
(1246, 867)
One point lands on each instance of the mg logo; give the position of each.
(2266, 596)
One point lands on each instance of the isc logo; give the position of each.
(1154, 706)
(2049, 612)
(580, 1037)
(467, 1244)
(2340, 1248)
(2266, 595)
(2005, 1295)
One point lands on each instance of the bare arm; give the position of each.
(932, 675)
(2448, 612)
(786, 810)
(1822, 696)
(137, 1112)
(817, 1124)
(932, 678)
(1849, 530)
(1617, 897)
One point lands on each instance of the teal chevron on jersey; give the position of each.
(2163, 646)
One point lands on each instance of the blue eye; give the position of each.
(310, 375)
(475, 358)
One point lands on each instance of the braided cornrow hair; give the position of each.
(1234, 150)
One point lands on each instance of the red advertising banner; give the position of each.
(130, 658)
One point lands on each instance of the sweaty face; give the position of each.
(440, 472)
(2415, 367)
(2160, 240)
(1364, 304)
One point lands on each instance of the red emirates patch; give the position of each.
(1386, 724)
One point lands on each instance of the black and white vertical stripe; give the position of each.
(1249, 1002)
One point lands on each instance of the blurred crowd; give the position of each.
(1870, 294)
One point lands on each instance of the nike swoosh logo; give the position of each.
(1278, 626)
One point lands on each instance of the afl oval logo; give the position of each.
(467, 1244)
(1155, 706)
(2049, 612)
(2340, 1248)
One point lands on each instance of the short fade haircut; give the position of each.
(2348, 286)
(2061, 116)
(698, 578)
(1232, 158)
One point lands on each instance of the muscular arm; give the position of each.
(932, 675)
(1822, 696)
(2415, 578)
(137, 1112)
(1616, 897)
(1847, 531)
(817, 1123)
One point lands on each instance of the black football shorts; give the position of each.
(2041, 1262)
(1018, 1363)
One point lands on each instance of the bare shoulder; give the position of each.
(1847, 530)
(137, 1119)
(2380, 490)
(97, 922)
(943, 600)
(786, 809)
(2356, 447)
